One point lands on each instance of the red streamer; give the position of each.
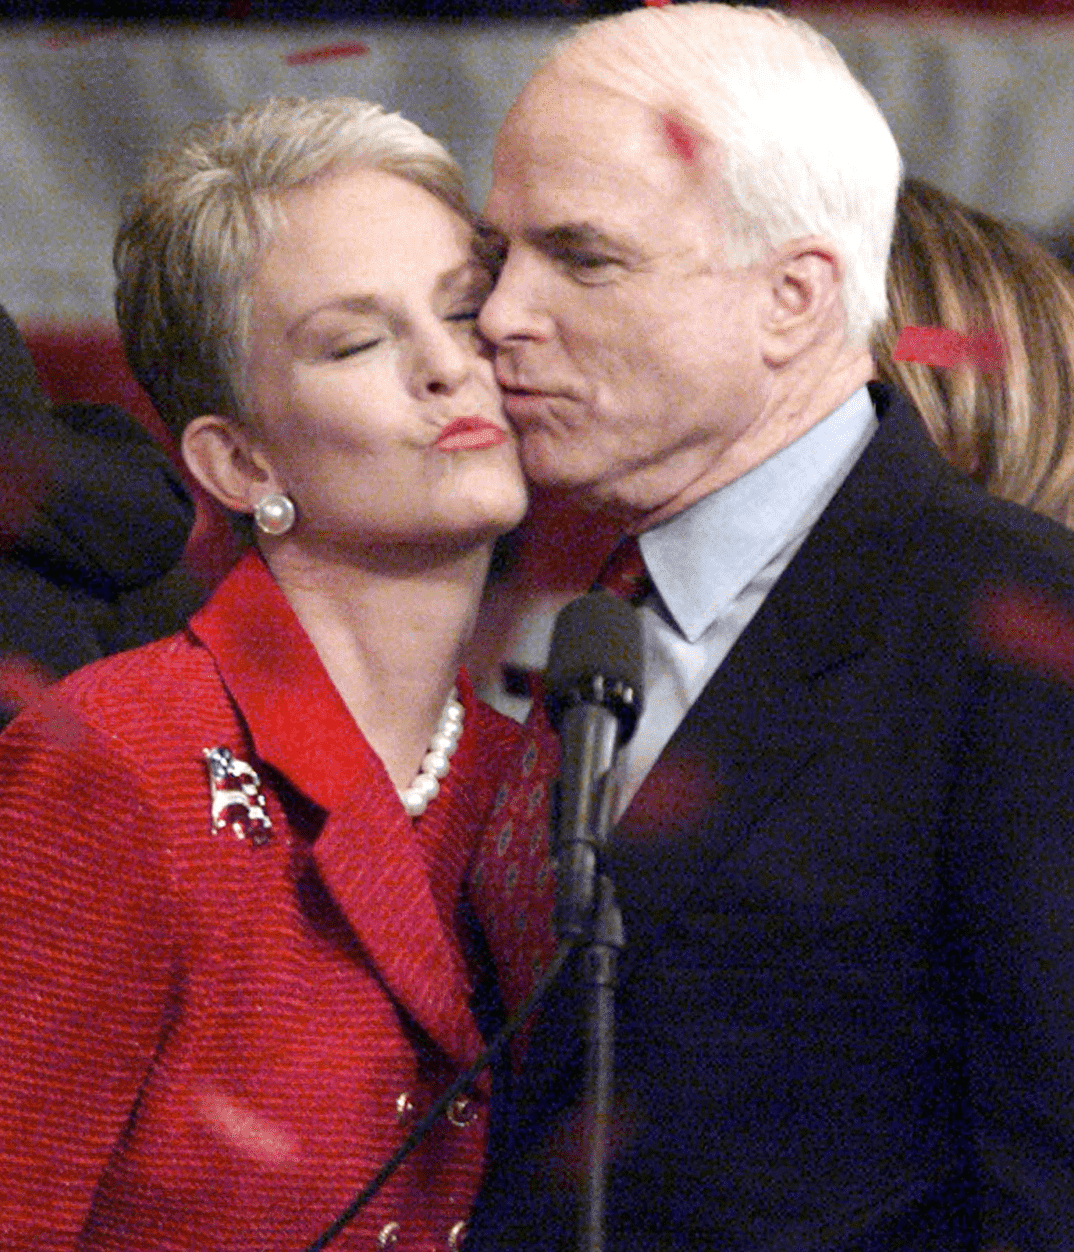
(1027, 628)
(947, 349)
(330, 52)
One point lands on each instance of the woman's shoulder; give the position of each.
(115, 755)
(138, 700)
(156, 676)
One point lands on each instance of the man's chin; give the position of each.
(552, 472)
(546, 463)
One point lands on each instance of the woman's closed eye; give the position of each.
(340, 352)
(463, 323)
(465, 316)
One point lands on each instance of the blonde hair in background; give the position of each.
(1012, 429)
(193, 234)
(802, 148)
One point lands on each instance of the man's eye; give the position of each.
(587, 266)
(586, 260)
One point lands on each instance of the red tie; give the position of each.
(623, 572)
(512, 884)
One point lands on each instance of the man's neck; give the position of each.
(797, 403)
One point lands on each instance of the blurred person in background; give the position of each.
(94, 519)
(235, 971)
(1004, 414)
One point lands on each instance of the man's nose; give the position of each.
(513, 311)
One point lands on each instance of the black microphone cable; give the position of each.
(458, 1087)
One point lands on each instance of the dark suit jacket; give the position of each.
(846, 1016)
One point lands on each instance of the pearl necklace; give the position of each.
(437, 760)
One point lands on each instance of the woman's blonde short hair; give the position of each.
(193, 234)
(1010, 428)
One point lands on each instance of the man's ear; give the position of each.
(805, 288)
(222, 457)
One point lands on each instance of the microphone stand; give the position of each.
(600, 967)
(587, 914)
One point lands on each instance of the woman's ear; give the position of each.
(805, 289)
(221, 456)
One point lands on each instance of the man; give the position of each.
(846, 1012)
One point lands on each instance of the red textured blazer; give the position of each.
(211, 1036)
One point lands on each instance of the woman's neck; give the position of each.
(390, 638)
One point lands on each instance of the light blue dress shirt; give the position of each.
(714, 563)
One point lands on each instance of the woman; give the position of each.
(234, 971)
(1007, 418)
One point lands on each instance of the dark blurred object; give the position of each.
(1061, 246)
(84, 362)
(94, 519)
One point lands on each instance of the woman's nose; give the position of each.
(446, 357)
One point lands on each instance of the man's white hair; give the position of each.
(802, 147)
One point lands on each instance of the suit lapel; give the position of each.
(752, 730)
(369, 860)
(760, 721)
(367, 853)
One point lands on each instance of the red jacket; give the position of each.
(212, 1038)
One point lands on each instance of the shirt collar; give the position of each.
(701, 559)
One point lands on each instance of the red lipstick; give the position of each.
(469, 434)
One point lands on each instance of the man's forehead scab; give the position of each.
(575, 152)
(571, 130)
(684, 141)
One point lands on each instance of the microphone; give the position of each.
(594, 698)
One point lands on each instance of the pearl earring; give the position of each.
(274, 514)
